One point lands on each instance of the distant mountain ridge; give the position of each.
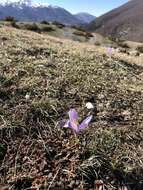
(25, 10)
(124, 22)
(86, 17)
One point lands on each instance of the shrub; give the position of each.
(58, 24)
(140, 49)
(83, 34)
(78, 28)
(47, 29)
(113, 39)
(44, 22)
(89, 35)
(123, 45)
(97, 43)
(14, 24)
(32, 27)
(9, 19)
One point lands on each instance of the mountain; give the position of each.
(25, 10)
(85, 17)
(124, 22)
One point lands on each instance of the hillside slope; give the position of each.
(41, 78)
(125, 21)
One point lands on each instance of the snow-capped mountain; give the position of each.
(21, 3)
(26, 10)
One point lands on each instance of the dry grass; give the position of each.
(60, 74)
(131, 59)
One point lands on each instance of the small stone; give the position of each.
(89, 105)
(27, 97)
(50, 175)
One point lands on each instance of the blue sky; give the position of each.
(96, 7)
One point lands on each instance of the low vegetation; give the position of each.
(33, 27)
(45, 22)
(140, 49)
(14, 24)
(55, 29)
(58, 24)
(79, 28)
(9, 19)
(41, 78)
(82, 33)
(47, 29)
(123, 45)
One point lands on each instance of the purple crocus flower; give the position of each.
(73, 121)
(110, 51)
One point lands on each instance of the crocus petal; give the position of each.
(85, 122)
(62, 123)
(67, 124)
(73, 116)
(74, 125)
